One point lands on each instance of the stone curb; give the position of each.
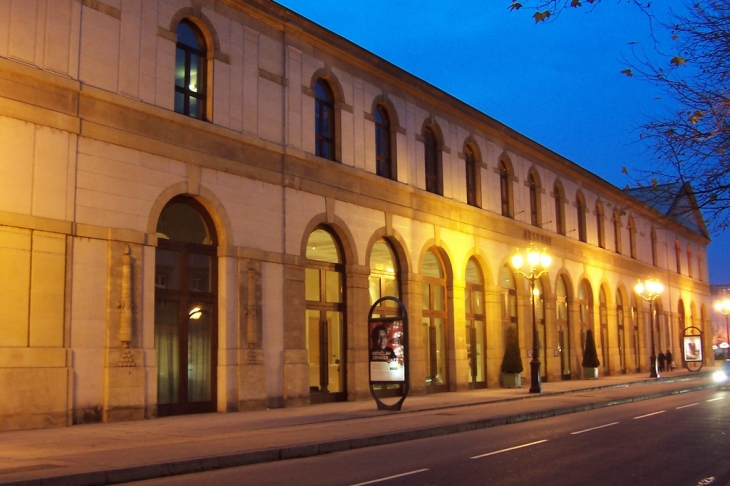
(174, 468)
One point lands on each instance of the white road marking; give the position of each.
(649, 414)
(685, 406)
(715, 399)
(509, 449)
(593, 428)
(390, 477)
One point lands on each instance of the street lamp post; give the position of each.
(538, 263)
(649, 291)
(723, 307)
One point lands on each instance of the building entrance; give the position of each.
(186, 330)
(325, 323)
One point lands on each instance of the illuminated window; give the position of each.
(190, 63)
(603, 322)
(475, 324)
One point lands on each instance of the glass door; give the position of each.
(325, 325)
(186, 337)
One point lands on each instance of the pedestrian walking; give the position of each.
(662, 360)
(670, 361)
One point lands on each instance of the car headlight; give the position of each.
(719, 376)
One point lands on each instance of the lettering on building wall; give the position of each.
(536, 237)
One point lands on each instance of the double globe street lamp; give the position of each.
(649, 291)
(723, 307)
(537, 266)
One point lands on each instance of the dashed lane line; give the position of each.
(391, 477)
(509, 449)
(593, 428)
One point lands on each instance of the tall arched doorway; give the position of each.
(562, 327)
(435, 323)
(585, 312)
(325, 318)
(476, 340)
(603, 325)
(621, 332)
(186, 303)
(635, 342)
(539, 297)
(384, 282)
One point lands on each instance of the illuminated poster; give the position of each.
(692, 348)
(386, 350)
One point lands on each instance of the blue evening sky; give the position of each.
(557, 83)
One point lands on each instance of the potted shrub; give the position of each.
(511, 361)
(590, 358)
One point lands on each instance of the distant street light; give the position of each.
(650, 291)
(723, 307)
(538, 263)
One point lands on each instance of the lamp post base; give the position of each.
(653, 373)
(535, 386)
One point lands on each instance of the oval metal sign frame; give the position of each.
(398, 354)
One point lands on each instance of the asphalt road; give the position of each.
(681, 440)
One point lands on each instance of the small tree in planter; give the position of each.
(590, 358)
(511, 361)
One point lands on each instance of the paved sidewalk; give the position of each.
(129, 451)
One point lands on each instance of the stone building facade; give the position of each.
(201, 200)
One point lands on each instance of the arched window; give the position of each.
(539, 299)
(432, 161)
(653, 246)
(190, 76)
(473, 195)
(682, 324)
(558, 194)
(678, 255)
(621, 331)
(700, 266)
(580, 207)
(383, 147)
(617, 231)
(562, 326)
(534, 199)
(603, 318)
(186, 330)
(383, 278)
(632, 237)
(635, 343)
(689, 261)
(585, 311)
(508, 300)
(600, 231)
(435, 321)
(324, 282)
(505, 189)
(324, 120)
(476, 340)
